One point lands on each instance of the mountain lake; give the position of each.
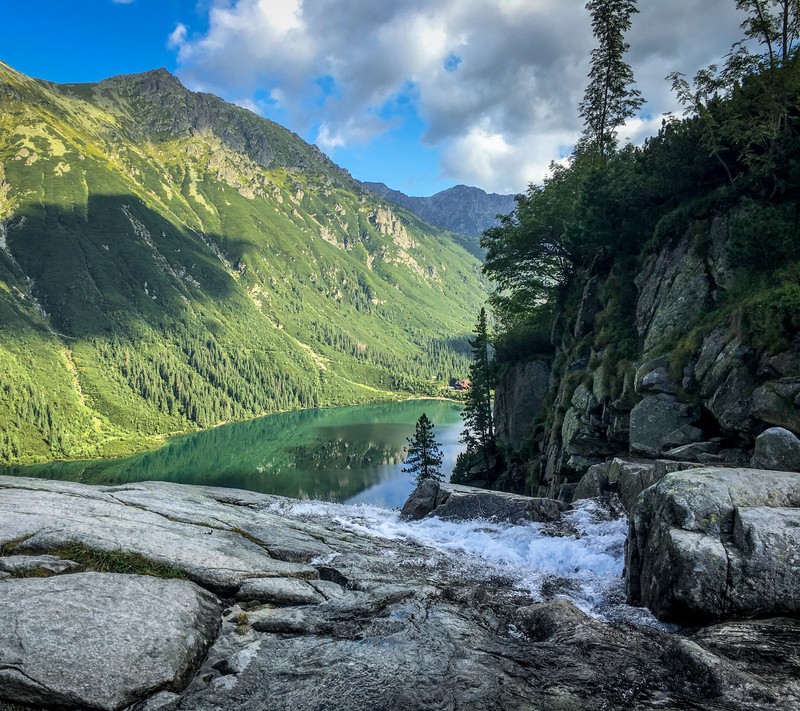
(343, 454)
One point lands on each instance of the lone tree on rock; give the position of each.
(424, 456)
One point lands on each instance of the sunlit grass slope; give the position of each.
(169, 261)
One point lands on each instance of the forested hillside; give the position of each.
(661, 283)
(169, 262)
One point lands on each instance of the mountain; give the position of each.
(169, 261)
(464, 210)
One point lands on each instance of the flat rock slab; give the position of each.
(278, 591)
(176, 526)
(101, 640)
(21, 564)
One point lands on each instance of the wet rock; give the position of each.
(422, 500)
(710, 544)
(711, 676)
(759, 649)
(453, 501)
(777, 448)
(566, 493)
(86, 641)
(594, 483)
(394, 619)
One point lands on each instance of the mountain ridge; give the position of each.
(462, 209)
(170, 261)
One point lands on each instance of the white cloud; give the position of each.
(122, 2)
(500, 113)
(178, 36)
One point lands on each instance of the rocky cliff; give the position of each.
(666, 359)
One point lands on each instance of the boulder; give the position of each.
(593, 484)
(654, 419)
(453, 501)
(777, 448)
(652, 378)
(422, 500)
(777, 402)
(710, 544)
(101, 640)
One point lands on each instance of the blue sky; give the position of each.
(418, 94)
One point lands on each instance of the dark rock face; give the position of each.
(655, 419)
(518, 401)
(711, 544)
(453, 501)
(705, 401)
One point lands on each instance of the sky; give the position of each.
(418, 94)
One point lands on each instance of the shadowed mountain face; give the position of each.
(464, 210)
(169, 261)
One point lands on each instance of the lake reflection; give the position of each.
(351, 454)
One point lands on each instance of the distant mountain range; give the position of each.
(461, 209)
(169, 261)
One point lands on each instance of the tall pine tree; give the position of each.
(609, 99)
(478, 433)
(424, 458)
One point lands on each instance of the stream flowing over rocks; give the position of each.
(285, 604)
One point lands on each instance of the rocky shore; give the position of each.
(157, 597)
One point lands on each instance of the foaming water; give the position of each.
(580, 559)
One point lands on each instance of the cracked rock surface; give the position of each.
(297, 611)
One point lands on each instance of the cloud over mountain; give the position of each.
(495, 82)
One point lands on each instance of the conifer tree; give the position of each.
(424, 458)
(609, 99)
(478, 433)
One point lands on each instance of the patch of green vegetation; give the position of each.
(165, 284)
(771, 315)
(114, 561)
(9, 547)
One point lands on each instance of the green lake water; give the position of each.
(345, 454)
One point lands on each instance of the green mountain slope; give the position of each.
(169, 261)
